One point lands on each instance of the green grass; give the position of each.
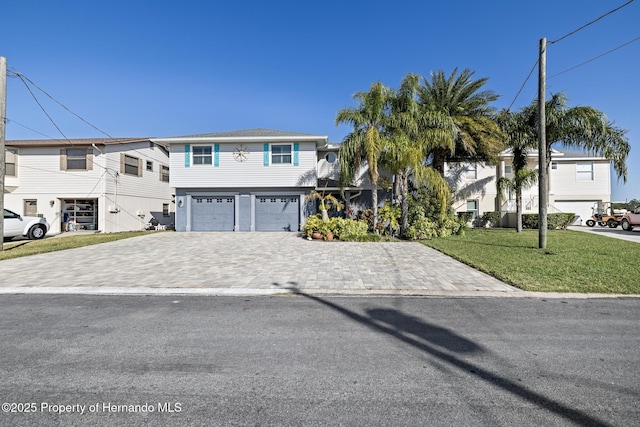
(20, 248)
(572, 262)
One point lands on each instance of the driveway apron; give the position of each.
(249, 261)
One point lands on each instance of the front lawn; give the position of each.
(573, 261)
(20, 248)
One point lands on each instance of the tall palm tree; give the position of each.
(476, 135)
(366, 142)
(582, 128)
(412, 134)
(521, 139)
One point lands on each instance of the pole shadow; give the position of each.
(404, 328)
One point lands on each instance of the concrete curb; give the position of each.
(240, 292)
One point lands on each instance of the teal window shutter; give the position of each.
(216, 155)
(187, 155)
(266, 154)
(295, 154)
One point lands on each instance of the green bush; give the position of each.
(554, 221)
(343, 229)
(491, 219)
(388, 217)
(465, 216)
(348, 229)
(422, 228)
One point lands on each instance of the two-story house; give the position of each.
(108, 185)
(578, 183)
(249, 180)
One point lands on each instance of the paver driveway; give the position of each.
(249, 261)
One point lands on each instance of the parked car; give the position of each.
(631, 219)
(32, 227)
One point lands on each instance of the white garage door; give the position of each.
(277, 213)
(212, 213)
(582, 209)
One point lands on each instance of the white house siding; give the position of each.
(138, 198)
(248, 174)
(481, 189)
(565, 186)
(39, 177)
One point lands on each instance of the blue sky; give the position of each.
(166, 68)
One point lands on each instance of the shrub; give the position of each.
(490, 219)
(554, 221)
(343, 229)
(465, 216)
(348, 229)
(388, 217)
(422, 228)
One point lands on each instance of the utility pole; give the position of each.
(543, 189)
(3, 122)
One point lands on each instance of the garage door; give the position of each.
(210, 213)
(277, 213)
(582, 209)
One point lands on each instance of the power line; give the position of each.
(596, 57)
(523, 85)
(28, 128)
(23, 78)
(41, 107)
(592, 22)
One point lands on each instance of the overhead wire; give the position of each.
(596, 57)
(579, 65)
(590, 23)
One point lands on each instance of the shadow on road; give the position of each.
(434, 340)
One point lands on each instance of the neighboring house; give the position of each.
(249, 180)
(578, 183)
(108, 185)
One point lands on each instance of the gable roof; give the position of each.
(247, 135)
(259, 132)
(72, 142)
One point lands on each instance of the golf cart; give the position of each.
(605, 216)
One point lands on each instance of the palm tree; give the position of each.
(476, 135)
(582, 128)
(325, 199)
(412, 133)
(366, 142)
(521, 139)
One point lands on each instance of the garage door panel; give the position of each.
(210, 213)
(582, 209)
(277, 213)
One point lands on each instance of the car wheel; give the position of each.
(626, 226)
(612, 223)
(591, 223)
(602, 223)
(36, 232)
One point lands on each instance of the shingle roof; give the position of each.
(67, 142)
(247, 133)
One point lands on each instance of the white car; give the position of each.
(32, 227)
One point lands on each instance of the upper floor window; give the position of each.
(149, 165)
(554, 165)
(471, 171)
(164, 173)
(10, 157)
(202, 155)
(76, 159)
(584, 171)
(130, 165)
(331, 157)
(507, 169)
(281, 154)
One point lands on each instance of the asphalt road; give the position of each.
(304, 360)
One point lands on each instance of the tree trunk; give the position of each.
(374, 202)
(397, 189)
(325, 215)
(518, 210)
(404, 213)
